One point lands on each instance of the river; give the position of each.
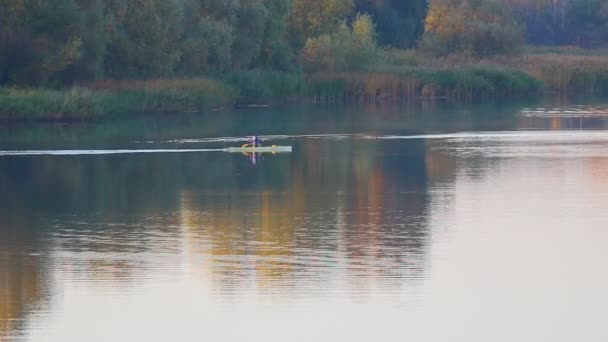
(423, 223)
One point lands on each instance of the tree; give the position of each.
(208, 36)
(250, 27)
(563, 22)
(350, 47)
(241, 34)
(39, 40)
(312, 18)
(276, 52)
(479, 27)
(399, 23)
(91, 26)
(144, 36)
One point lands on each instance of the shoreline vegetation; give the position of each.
(88, 59)
(407, 76)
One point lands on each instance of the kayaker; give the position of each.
(255, 141)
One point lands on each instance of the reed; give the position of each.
(105, 98)
(264, 86)
(398, 76)
(562, 70)
(569, 74)
(415, 83)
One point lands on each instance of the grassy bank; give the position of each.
(400, 76)
(108, 98)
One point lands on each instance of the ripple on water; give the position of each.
(572, 111)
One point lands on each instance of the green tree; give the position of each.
(241, 34)
(208, 36)
(399, 23)
(276, 51)
(91, 26)
(144, 37)
(250, 26)
(39, 40)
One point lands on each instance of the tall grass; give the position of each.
(103, 98)
(562, 70)
(263, 86)
(112, 98)
(170, 95)
(45, 104)
(415, 83)
(569, 74)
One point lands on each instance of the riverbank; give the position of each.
(401, 76)
(86, 102)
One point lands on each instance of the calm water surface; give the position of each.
(384, 224)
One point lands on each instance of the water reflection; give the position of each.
(356, 217)
(291, 224)
(367, 226)
(22, 277)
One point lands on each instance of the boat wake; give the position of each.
(99, 152)
(509, 136)
(265, 138)
(484, 139)
(459, 136)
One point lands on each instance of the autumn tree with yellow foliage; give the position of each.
(350, 47)
(480, 28)
(313, 18)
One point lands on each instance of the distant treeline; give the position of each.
(492, 27)
(62, 41)
(582, 23)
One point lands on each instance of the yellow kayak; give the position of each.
(259, 149)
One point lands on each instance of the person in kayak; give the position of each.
(255, 141)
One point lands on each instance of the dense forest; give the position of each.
(581, 23)
(66, 41)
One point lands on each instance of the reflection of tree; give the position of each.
(561, 116)
(354, 205)
(21, 279)
(252, 233)
(440, 166)
(598, 173)
(363, 210)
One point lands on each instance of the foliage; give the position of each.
(399, 23)
(143, 37)
(313, 18)
(276, 51)
(480, 27)
(105, 98)
(65, 41)
(260, 48)
(563, 22)
(351, 47)
(569, 73)
(412, 83)
(38, 40)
